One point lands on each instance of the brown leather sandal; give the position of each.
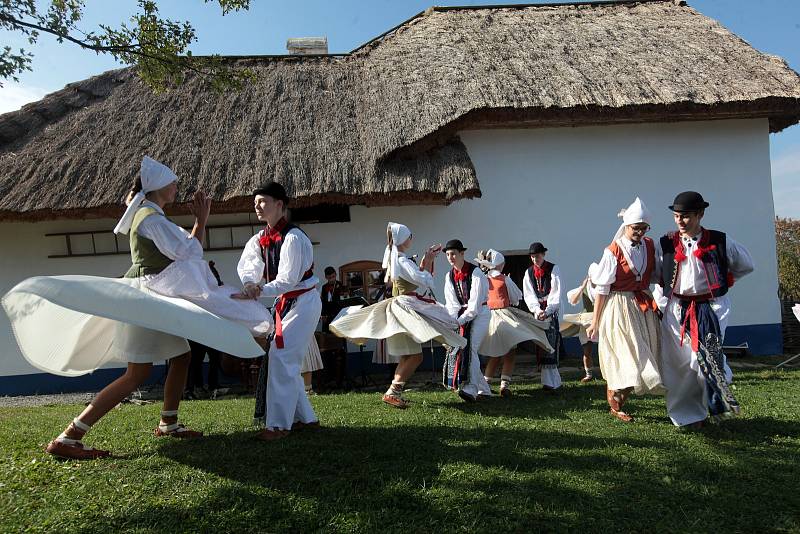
(396, 401)
(72, 449)
(176, 430)
(299, 425)
(269, 434)
(622, 416)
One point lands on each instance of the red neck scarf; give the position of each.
(538, 272)
(459, 275)
(272, 234)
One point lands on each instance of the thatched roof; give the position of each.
(379, 125)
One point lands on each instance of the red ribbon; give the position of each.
(538, 272)
(454, 383)
(645, 301)
(272, 234)
(701, 251)
(691, 318)
(459, 276)
(282, 300)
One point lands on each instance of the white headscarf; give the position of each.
(154, 176)
(637, 212)
(400, 234)
(574, 295)
(494, 259)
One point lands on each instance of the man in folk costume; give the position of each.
(541, 288)
(278, 262)
(699, 267)
(331, 295)
(466, 292)
(626, 320)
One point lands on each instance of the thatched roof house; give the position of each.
(379, 125)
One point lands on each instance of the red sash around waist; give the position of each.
(282, 300)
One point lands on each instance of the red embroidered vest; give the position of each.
(498, 293)
(626, 278)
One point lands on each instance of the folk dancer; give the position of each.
(508, 325)
(625, 314)
(541, 288)
(699, 268)
(575, 324)
(406, 320)
(466, 292)
(278, 262)
(168, 294)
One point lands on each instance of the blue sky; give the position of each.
(772, 26)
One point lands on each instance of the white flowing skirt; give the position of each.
(575, 325)
(193, 280)
(313, 359)
(405, 317)
(629, 345)
(71, 325)
(508, 327)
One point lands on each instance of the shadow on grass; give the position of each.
(536, 403)
(423, 477)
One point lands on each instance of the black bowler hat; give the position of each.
(455, 244)
(689, 201)
(274, 190)
(536, 248)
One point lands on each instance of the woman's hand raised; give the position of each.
(201, 206)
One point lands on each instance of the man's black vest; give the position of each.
(271, 254)
(541, 294)
(464, 287)
(715, 261)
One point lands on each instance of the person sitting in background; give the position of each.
(331, 296)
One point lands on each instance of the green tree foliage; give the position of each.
(155, 46)
(787, 237)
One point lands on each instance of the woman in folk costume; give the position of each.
(406, 320)
(99, 320)
(278, 263)
(575, 324)
(312, 362)
(508, 325)
(626, 320)
(466, 292)
(699, 267)
(541, 289)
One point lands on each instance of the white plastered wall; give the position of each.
(561, 186)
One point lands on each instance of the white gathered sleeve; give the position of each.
(740, 262)
(605, 273)
(171, 240)
(554, 297)
(409, 271)
(529, 294)
(451, 299)
(478, 294)
(514, 292)
(297, 257)
(655, 278)
(251, 264)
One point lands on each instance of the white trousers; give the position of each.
(477, 383)
(287, 402)
(687, 397)
(551, 377)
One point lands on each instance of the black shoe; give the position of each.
(466, 397)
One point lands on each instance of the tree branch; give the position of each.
(83, 44)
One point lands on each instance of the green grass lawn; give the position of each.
(535, 462)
